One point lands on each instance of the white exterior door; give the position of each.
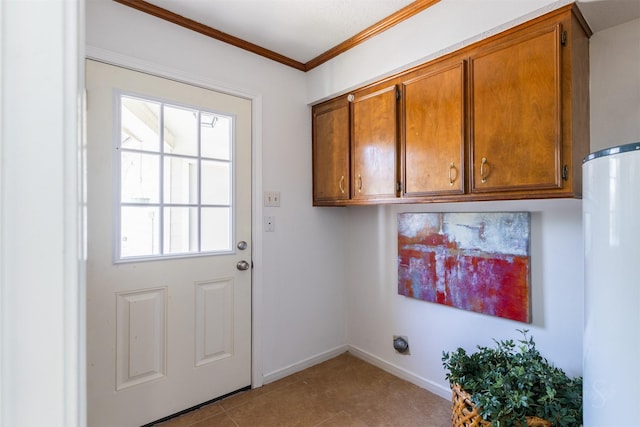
(168, 300)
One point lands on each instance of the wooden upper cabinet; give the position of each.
(515, 106)
(374, 143)
(331, 132)
(433, 131)
(529, 110)
(504, 118)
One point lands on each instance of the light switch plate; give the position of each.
(272, 198)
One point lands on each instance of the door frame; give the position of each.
(158, 70)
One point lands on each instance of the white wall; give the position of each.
(615, 86)
(300, 280)
(42, 343)
(376, 312)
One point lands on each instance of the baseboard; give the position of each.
(304, 364)
(431, 386)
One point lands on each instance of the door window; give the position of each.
(174, 173)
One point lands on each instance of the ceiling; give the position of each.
(305, 33)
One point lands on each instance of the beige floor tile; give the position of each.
(342, 392)
(343, 419)
(221, 420)
(243, 397)
(402, 404)
(296, 405)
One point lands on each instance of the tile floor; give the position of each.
(342, 392)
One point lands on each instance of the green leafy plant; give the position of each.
(512, 381)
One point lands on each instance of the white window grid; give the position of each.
(161, 204)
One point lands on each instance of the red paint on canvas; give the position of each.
(432, 267)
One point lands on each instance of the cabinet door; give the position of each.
(331, 151)
(374, 143)
(433, 131)
(516, 114)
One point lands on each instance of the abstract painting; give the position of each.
(472, 261)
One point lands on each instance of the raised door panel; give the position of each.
(331, 151)
(516, 114)
(375, 143)
(433, 131)
(141, 337)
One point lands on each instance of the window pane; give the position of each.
(173, 161)
(180, 230)
(140, 124)
(216, 229)
(215, 134)
(140, 231)
(139, 177)
(180, 131)
(216, 183)
(180, 180)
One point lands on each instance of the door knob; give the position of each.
(242, 265)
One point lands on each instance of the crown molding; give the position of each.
(377, 28)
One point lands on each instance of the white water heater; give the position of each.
(611, 221)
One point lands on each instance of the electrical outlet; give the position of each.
(269, 223)
(272, 198)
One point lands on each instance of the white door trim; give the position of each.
(136, 64)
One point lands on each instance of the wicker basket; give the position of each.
(465, 414)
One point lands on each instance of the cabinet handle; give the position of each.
(341, 184)
(359, 183)
(452, 179)
(482, 175)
